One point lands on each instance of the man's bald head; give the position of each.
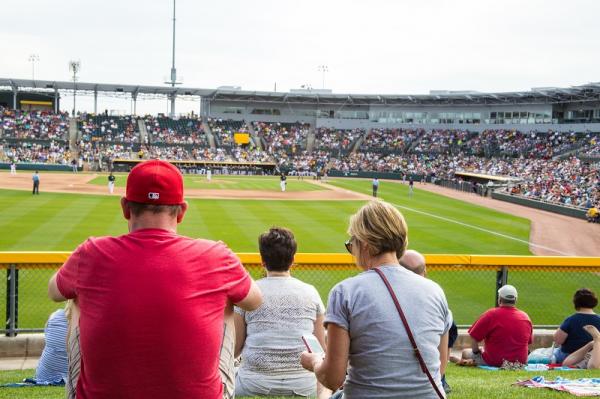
(414, 261)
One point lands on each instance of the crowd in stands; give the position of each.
(590, 147)
(53, 152)
(105, 128)
(397, 140)
(33, 125)
(439, 153)
(287, 136)
(174, 131)
(443, 142)
(223, 130)
(517, 144)
(335, 139)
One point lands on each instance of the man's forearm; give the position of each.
(474, 345)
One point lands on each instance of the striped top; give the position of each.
(53, 362)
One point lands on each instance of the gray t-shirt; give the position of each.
(274, 331)
(381, 361)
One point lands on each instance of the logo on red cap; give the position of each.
(155, 182)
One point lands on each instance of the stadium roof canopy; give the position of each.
(548, 95)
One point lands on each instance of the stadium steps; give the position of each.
(209, 135)
(358, 142)
(254, 136)
(414, 143)
(143, 131)
(310, 139)
(569, 153)
(73, 136)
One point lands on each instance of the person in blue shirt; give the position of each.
(375, 187)
(52, 368)
(36, 183)
(571, 335)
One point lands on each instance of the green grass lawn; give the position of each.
(450, 223)
(262, 183)
(466, 383)
(55, 222)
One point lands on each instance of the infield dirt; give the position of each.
(77, 183)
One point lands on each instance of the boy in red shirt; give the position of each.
(152, 302)
(506, 330)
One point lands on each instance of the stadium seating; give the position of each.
(329, 139)
(104, 128)
(290, 137)
(532, 157)
(223, 130)
(390, 140)
(33, 125)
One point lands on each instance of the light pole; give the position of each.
(74, 68)
(173, 80)
(324, 69)
(33, 58)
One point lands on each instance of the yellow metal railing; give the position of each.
(32, 259)
(545, 284)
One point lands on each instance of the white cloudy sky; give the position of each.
(374, 46)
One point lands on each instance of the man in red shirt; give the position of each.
(506, 330)
(152, 302)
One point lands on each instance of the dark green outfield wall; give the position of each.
(563, 210)
(39, 166)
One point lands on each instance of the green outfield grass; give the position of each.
(54, 222)
(466, 383)
(436, 218)
(261, 183)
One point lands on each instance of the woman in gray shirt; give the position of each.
(368, 350)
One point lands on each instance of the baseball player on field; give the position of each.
(111, 183)
(282, 182)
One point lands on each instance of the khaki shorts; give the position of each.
(226, 360)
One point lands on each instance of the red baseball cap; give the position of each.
(155, 182)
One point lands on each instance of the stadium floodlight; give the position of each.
(33, 58)
(74, 68)
(323, 69)
(173, 80)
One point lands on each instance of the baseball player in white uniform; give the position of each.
(111, 183)
(282, 182)
(13, 168)
(208, 175)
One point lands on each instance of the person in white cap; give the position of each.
(506, 330)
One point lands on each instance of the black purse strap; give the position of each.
(411, 338)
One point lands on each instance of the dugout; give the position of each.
(200, 167)
(477, 183)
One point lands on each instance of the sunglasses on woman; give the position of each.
(348, 245)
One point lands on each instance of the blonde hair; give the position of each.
(381, 226)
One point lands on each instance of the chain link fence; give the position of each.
(545, 289)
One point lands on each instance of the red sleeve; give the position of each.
(68, 275)
(237, 280)
(480, 329)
